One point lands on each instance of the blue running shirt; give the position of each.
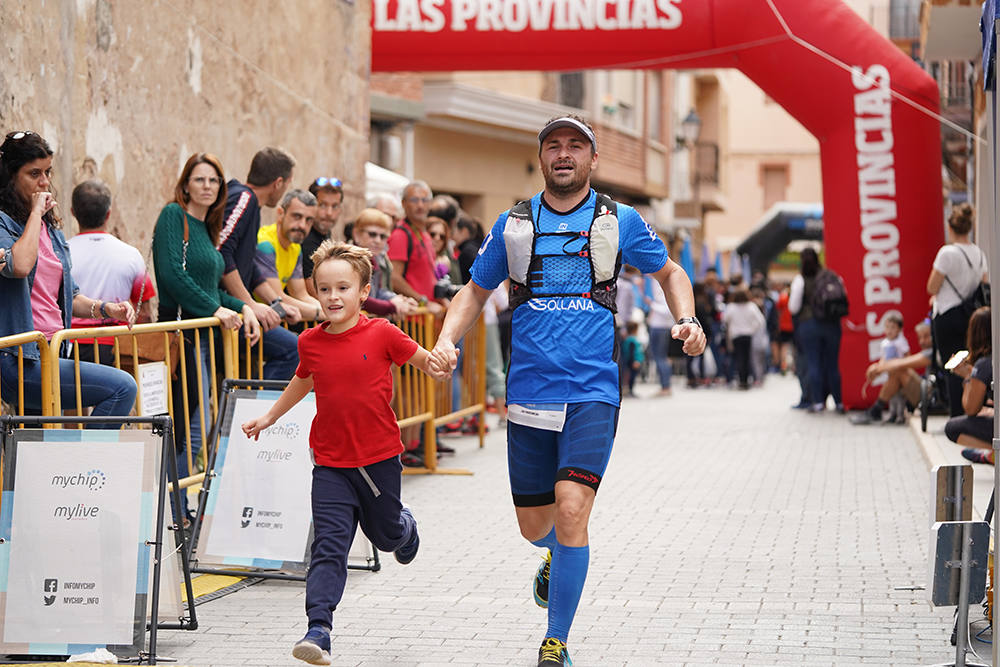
(562, 348)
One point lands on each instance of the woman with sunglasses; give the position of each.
(371, 230)
(37, 289)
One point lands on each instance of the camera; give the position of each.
(443, 289)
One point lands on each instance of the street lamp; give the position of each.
(690, 128)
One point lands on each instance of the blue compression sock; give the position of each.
(566, 578)
(549, 541)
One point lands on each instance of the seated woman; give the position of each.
(37, 289)
(974, 429)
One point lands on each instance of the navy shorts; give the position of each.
(537, 459)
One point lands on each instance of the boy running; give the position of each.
(354, 437)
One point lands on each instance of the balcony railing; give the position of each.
(706, 162)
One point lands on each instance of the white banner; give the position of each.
(78, 518)
(259, 501)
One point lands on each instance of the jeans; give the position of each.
(281, 353)
(195, 410)
(741, 356)
(110, 391)
(659, 341)
(821, 341)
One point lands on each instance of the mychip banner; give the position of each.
(258, 512)
(77, 524)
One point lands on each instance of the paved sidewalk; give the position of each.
(730, 530)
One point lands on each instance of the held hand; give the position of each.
(251, 327)
(266, 317)
(444, 357)
(693, 337)
(253, 428)
(963, 370)
(227, 318)
(42, 202)
(872, 371)
(123, 312)
(437, 370)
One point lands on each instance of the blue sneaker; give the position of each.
(406, 553)
(553, 653)
(314, 648)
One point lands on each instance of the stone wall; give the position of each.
(126, 90)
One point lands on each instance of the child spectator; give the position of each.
(354, 438)
(894, 346)
(633, 354)
(742, 319)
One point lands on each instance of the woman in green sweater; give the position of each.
(188, 270)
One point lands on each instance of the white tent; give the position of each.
(379, 180)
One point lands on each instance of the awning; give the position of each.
(382, 181)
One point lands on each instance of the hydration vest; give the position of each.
(600, 249)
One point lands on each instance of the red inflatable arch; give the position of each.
(865, 101)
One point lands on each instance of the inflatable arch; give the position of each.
(868, 104)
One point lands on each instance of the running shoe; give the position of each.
(541, 587)
(406, 553)
(978, 455)
(553, 653)
(314, 648)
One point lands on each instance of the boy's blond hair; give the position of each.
(360, 259)
(372, 217)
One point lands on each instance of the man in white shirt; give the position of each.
(105, 267)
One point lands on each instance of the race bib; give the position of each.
(546, 416)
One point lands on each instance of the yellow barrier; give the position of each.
(417, 401)
(127, 351)
(471, 380)
(18, 341)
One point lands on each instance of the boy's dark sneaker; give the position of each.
(872, 415)
(406, 553)
(314, 648)
(978, 455)
(553, 653)
(541, 586)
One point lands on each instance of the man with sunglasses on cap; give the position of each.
(329, 194)
(562, 251)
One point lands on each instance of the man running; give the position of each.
(562, 251)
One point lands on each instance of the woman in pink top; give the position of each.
(38, 291)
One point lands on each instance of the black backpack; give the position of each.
(829, 298)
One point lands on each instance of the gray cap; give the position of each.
(566, 121)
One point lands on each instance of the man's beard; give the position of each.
(579, 180)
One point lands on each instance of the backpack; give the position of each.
(829, 297)
(980, 295)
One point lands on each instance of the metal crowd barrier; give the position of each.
(471, 381)
(18, 341)
(131, 347)
(419, 402)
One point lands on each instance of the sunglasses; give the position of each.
(324, 181)
(437, 235)
(381, 236)
(17, 136)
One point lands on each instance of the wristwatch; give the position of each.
(690, 320)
